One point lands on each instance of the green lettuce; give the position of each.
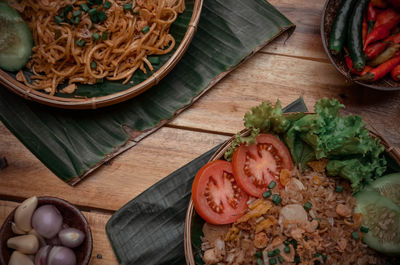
(351, 152)
(262, 118)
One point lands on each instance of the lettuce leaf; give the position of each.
(267, 118)
(351, 151)
(238, 140)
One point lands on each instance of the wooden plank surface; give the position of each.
(112, 186)
(285, 70)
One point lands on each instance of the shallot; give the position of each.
(47, 221)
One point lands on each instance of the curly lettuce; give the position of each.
(262, 118)
(351, 152)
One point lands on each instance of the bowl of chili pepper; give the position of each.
(362, 40)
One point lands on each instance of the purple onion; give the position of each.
(41, 255)
(47, 221)
(61, 256)
(71, 237)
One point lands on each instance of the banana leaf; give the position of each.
(74, 143)
(149, 229)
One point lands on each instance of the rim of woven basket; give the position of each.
(97, 102)
(393, 152)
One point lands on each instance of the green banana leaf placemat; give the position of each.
(149, 229)
(74, 143)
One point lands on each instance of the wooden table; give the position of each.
(286, 69)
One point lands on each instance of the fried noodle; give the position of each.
(130, 38)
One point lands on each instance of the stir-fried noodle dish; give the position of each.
(89, 41)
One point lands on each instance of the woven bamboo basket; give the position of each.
(102, 101)
(328, 16)
(191, 212)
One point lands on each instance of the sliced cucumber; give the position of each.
(388, 186)
(15, 39)
(382, 217)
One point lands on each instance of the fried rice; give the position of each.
(314, 223)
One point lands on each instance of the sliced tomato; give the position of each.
(216, 196)
(255, 166)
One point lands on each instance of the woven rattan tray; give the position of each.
(11, 83)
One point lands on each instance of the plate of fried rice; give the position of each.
(251, 206)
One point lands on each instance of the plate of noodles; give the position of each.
(298, 188)
(90, 54)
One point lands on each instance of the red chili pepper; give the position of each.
(396, 73)
(366, 70)
(371, 17)
(374, 49)
(364, 29)
(379, 3)
(395, 4)
(380, 71)
(349, 64)
(387, 16)
(378, 33)
(394, 39)
(385, 21)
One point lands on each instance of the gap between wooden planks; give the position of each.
(112, 186)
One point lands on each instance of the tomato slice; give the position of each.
(216, 196)
(255, 166)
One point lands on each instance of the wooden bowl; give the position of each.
(8, 79)
(192, 218)
(328, 17)
(71, 216)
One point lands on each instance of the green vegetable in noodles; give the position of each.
(58, 19)
(286, 249)
(85, 7)
(15, 39)
(146, 29)
(107, 5)
(96, 36)
(127, 6)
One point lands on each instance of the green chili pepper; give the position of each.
(339, 27)
(385, 55)
(354, 35)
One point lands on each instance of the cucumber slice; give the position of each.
(15, 39)
(382, 217)
(388, 186)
